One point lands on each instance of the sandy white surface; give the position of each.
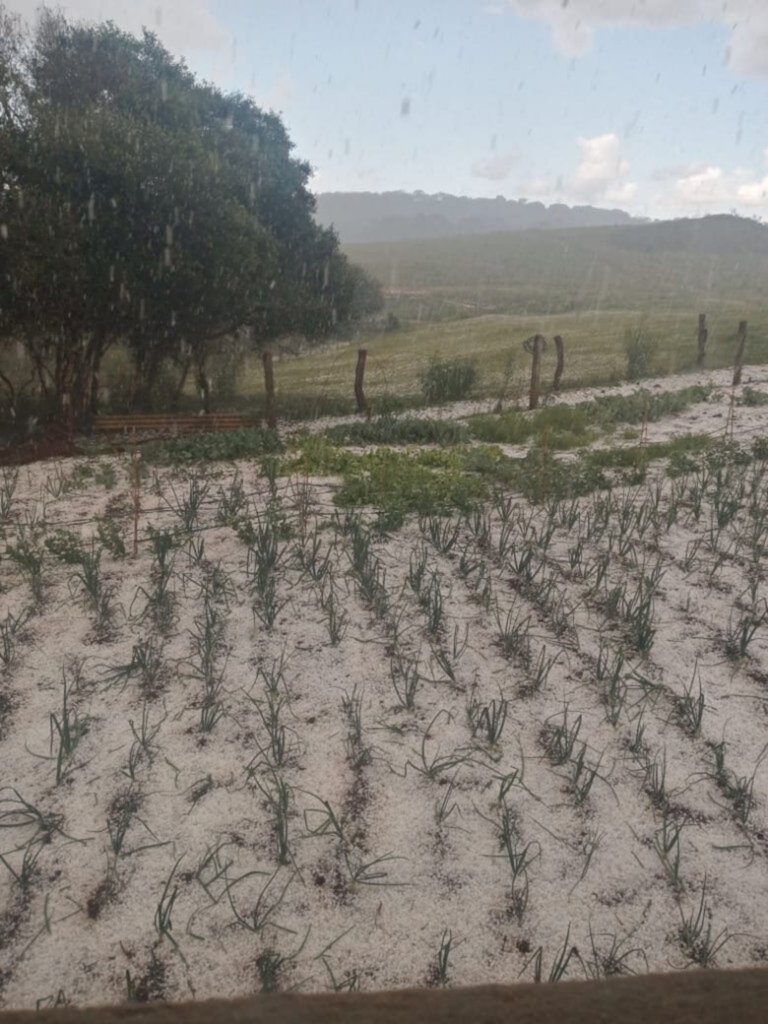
(450, 877)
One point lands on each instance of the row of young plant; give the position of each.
(560, 737)
(565, 425)
(37, 556)
(264, 535)
(688, 708)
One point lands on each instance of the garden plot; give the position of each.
(296, 745)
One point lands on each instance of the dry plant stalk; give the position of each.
(136, 498)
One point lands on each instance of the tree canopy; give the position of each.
(139, 205)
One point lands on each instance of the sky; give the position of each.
(658, 107)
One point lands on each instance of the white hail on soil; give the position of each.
(602, 874)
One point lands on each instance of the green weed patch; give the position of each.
(214, 447)
(568, 426)
(405, 430)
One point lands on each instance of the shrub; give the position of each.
(448, 380)
(640, 349)
(408, 430)
(567, 426)
(753, 398)
(214, 447)
(397, 482)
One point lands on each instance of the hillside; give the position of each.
(392, 216)
(712, 262)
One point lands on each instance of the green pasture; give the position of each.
(481, 297)
(652, 269)
(322, 380)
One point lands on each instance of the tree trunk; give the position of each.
(146, 366)
(204, 384)
(182, 381)
(64, 376)
(39, 364)
(12, 399)
(75, 381)
(87, 383)
(741, 344)
(95, 383)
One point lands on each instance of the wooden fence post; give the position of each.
(703, 334)
(741, 344)
(560, 366)
(269, 389)
(362, 404)
(535, 345)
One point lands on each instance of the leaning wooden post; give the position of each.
(269, 389)
(362, 404)
(535, 346)
(703, 334)
(741, 344)
(560, 366)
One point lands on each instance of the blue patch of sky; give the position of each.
(413, 95)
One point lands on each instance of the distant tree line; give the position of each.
(141, 207)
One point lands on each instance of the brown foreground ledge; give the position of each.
(687, 997)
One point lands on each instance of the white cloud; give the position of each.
(182, 25)
(573, 22)
(671, 171)
(495, 168)
(601, 176)
(714, 190)
(754, 193)
(541, 188)
(602, 168)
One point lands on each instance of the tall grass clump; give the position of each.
(28, 558)
(640, 349)
(9, 479)
(448, 380)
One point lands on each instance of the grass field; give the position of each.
(595, 354)
(715, 263)
(482, 296)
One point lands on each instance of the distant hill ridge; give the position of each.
(716, 233)
(401, 216)
(693, 263)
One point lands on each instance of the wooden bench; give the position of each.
(172, 423)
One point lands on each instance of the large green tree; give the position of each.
(140, 206)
